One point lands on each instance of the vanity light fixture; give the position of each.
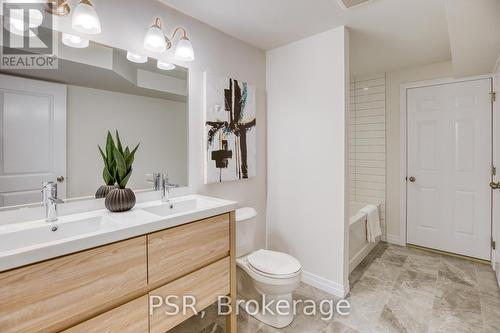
(137, 58)
(163, 65)
(156, 41)
(58, 7)
(84, 19)
(74, 41)
(184, 50)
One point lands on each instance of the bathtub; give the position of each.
(359, 247)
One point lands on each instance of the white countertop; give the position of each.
(33, 241)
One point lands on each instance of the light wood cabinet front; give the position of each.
(53, 295)
(131, 317)
(181, 250)
(205, 285)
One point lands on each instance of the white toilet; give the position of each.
(273, 274)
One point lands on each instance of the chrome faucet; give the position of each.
(165, 187)
(160, 183)
(155, 180)
(50, 200)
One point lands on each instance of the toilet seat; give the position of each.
(273, 264)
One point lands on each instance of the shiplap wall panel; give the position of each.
(367, 133)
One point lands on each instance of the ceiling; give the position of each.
(474, 34)
(385, 35)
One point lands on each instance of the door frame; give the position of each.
(404, 141)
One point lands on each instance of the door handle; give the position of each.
(495, 185)
(60, 179)
(412, 179)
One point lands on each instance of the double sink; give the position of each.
(33, 241)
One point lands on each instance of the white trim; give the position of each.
(395, 239)
(403, 130)
(326, 285)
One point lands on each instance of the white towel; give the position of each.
(372, 222)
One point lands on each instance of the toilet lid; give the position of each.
(275, 263)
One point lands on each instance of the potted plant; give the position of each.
(121, 198)
(108, 173)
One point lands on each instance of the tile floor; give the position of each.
(395, 289)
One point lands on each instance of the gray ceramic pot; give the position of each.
(120, 200)
(103, 191)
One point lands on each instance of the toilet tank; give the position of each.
(245, 230)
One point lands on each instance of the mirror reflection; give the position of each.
(52, 122)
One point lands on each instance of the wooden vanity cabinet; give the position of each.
(107, 289)
(52, 295)
(205, 284)
(175, 252)
(131, 317)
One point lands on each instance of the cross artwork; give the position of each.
(228, 134)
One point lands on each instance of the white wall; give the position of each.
(307, 108)
(394, 81)
(124, 23)
(367, 153)
(159, 125)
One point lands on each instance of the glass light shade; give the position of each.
(74, 41)
(166, 66)
(137, 58)
(184, 50)
(154, 41)
(85, 19)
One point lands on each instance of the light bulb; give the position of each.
(163, 65)
(184, 50)
(154, 41)
(85, 19)
(137, 58)
(74, 41)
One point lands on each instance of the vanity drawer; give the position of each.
(53, 295)
(206, 285)
(181, 250)
(131, 317)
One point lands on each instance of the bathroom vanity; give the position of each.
(83, 268)
(100, 280)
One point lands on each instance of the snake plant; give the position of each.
(109, 172)
(123, 160)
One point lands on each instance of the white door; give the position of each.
(32, 138)
(449, 167)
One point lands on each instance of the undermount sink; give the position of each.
(44, 232)
(173, 207)
(35, 240)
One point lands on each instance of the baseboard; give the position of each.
(361, 255)
(325, 284)
(395, 239)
